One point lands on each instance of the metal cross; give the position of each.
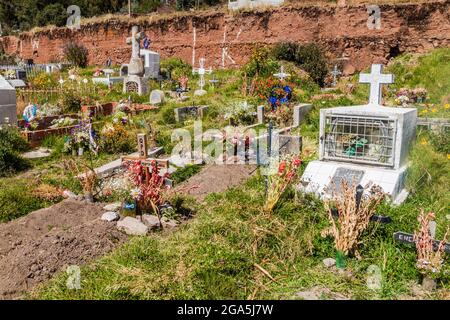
(376, 79)
(282, 75)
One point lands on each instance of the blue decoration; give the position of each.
(26, 114)
(129, 206)
(274, 101)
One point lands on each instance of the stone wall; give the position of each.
(227, 39)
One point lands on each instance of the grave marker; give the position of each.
(409, 239)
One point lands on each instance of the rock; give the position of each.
(169, 224)
(349, 70)
(69, 194)
(110, 216)
(132, 226)
(113, 207)
(199, 92)
(428, 284)
(151, 221)
(37, 154)
(329, 262)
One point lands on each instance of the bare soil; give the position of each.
(46, 241)
(35, 247)
(215, 178)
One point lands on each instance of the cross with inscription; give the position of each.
(376, 79)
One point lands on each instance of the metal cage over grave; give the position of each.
(360, 139)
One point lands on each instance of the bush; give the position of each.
(310, 57)
(260, 64)
(176, 67)
(441, 141)
(11, 143)
(70, 102)
(76, 54)
(115, 139)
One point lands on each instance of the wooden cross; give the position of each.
(409, 238)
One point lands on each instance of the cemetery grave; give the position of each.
(264, 193)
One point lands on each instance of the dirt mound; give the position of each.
(44, 242)
(215, 178)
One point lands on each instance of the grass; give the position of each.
(215, 255)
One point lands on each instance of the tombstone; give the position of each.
(142, 145)
(16, 83)
(21, 74)
(300, 112)
(184, 112)
(157, 97)
(369, 143)
(8, 111)
(151, 63)
(135, 82)
(288, 144)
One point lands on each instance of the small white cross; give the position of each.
(376, 79)
(282, 75)
(201, 72)
(335, 73)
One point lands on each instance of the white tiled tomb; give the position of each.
(366, 144)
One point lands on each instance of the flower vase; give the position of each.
(80, 152)
(128, 209)
(341, 260)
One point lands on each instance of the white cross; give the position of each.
(282, 75)
(335, 73)
(376, 79)
(201, 72)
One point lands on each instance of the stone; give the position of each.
(110, 216)
(8, 110)
(242, 4)
(300, 112)
(135, 82)
(69, 194)
(113, 206)
(37, 154)
(329, 262)
(169, 224)
(428, 284)
(132, 226)
(200, 92)
(151, 221)
(157, 97)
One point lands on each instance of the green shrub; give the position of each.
(70, 102)
(441, 141)
(310, 57)
(176, 67)
(168, 116)
(11, 144)
(260, 64)
(116, 139)
(185, 173)
(76, 54)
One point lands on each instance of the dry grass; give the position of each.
(353, 220)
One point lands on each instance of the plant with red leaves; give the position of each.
(149, 184)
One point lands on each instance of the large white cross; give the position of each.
(375, 78)
(201, 72)
(282, 75)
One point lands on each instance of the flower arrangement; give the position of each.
(63, 122)
(82, 138)
(280, 175)
(275, 91)
(353, 217)
(406, 96)
(429, 257)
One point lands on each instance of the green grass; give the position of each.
(214, 255)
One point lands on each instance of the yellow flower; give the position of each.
(434, 110)
(447, 106)
(448, 156)
(424, 111)
(424, 142)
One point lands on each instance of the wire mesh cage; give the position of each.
(360, 139)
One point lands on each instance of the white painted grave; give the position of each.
(8, 111)
(364, 144)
